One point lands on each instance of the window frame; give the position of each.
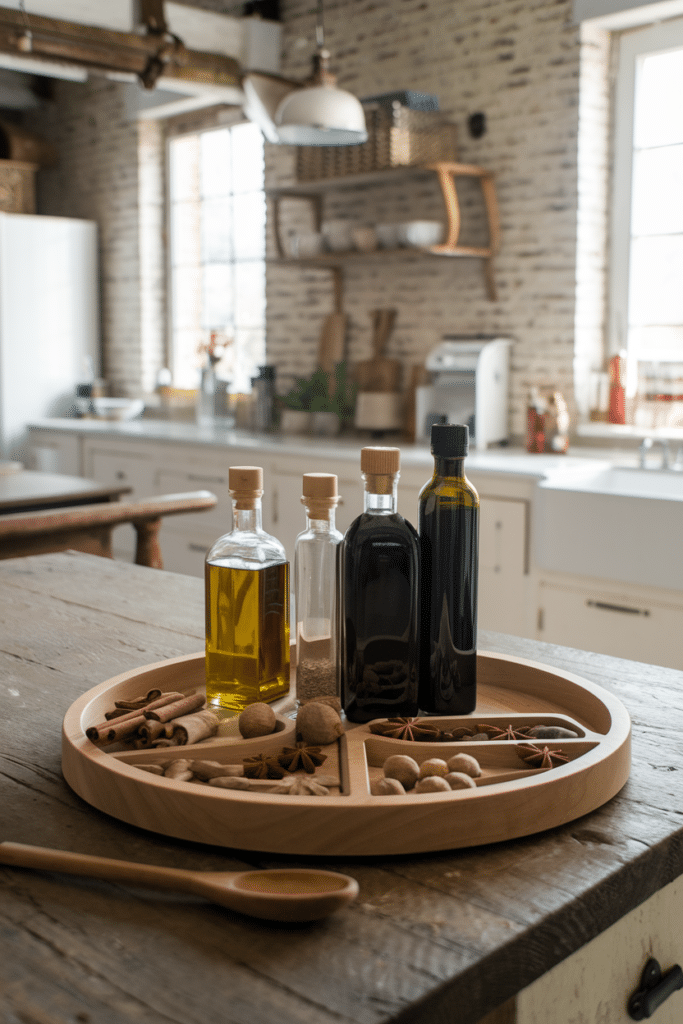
(654, 38)
(183, 130)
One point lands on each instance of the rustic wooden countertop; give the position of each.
(432, 938)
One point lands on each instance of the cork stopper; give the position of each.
(246, 485)
(319, 494)
(379, 466)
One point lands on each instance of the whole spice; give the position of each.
(387, 787)
(464, 763)
(301, 756)
(509, 733)
(403, 768)
(257, 719)
(432, 784)
(406, 729)
(263, 766)
(318, 724)
(460, 780)
(433, 766)
(537, 757)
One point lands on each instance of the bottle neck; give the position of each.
(449, 467)
(381, 494)
(247, 520)
(316, 524)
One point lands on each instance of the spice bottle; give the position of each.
(448, 526)
(315, 589)
(380, 615)
(247, 605)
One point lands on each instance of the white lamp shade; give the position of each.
(320, 115)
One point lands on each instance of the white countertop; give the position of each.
(514, 461)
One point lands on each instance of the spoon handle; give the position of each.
(24, 856)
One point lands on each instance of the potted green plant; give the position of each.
(323, 402)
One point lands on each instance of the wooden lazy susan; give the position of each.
(511, 799)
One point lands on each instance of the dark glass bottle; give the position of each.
(379, 605)
(448, 526)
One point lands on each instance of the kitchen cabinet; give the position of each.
(447, 174)
(624, 621)
(53, 452)
(128, 465)
(594, 984)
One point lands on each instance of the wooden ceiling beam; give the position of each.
(105, 50)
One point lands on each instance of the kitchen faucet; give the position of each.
(648, 442)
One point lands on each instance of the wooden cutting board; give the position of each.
(333, 333)
(380, 373)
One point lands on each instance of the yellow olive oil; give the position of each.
(247, 634)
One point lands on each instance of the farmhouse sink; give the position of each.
(612, 522)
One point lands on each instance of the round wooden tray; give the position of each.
(510, 800)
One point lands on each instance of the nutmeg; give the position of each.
(432, 784)
(464, 763)
(459, 780)
(403, 768)
(433, 766)
(257, 719)
(318, 724)
(387, 787)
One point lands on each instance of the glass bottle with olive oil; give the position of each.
(247, 605)
(448, 527)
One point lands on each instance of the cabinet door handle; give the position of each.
(607, 607)
(197, 478)
(654, 989)
(202, 548)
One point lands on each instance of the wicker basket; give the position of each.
(397, 137)
(17, 187)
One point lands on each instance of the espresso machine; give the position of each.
(469, 384)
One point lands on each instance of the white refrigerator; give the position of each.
(49, 320)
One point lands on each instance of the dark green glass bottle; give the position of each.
(448, 527)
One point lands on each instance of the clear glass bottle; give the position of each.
(315, 588)
(380, 597)
(247, 605)
(448, 525)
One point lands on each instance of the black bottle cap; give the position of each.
(450, 440)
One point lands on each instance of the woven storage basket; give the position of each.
(397, 137)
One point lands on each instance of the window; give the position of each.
(646, 300)
(217, 220)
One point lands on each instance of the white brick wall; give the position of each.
(518, 62)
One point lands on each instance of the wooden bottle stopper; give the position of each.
(379, 466)
(246, 485)
(319, 494)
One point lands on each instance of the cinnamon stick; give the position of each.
(101, 733)
(176, 709)
(192, 728)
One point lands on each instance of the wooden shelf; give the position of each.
(446, 172)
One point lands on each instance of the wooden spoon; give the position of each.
(279, 894)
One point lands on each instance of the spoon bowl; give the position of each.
(277, 894)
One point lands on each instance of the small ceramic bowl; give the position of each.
(306, 244)
(420, 233)
(337, 235)
(365, 239)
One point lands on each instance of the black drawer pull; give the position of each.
(606, 606)
(654, 989)
(201, 548)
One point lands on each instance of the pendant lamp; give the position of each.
(320, 114)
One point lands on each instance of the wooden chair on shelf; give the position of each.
(89, 528)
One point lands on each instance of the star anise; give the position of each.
(406, 729)
(263, 766)
(537, 757)
(301, 756)
(510, 733)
